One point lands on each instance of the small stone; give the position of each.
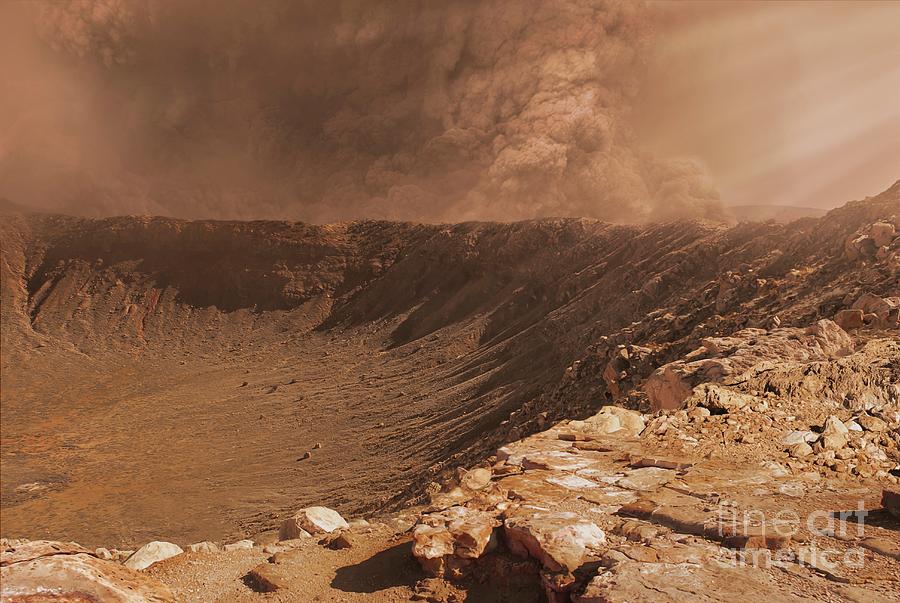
(360, 526)
(268, 578)
(834, 425)
(343, 540)
(834, 441)
(870, 423)
(698, 414)
(797, 437)
(476, 479)
(240, 545)
(801, 450)
(844, 454)
(204, 547)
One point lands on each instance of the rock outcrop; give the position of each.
(43, 570)
(734, 358)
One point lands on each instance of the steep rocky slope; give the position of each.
(194, 380)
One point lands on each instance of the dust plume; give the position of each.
(334, 110)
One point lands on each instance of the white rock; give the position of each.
(312, 520)
(629, 420)
(204, 547)
(798, 437)
(240, 545)
(834, 425)
(151, 553)
(572, 482)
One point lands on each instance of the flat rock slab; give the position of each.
(882, 546)
(78, 577)
(662, 463)
(646, 478)
(33, 549)
(637, 582)
(534, 488)
(698, 521)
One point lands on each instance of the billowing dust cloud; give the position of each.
(322, 111)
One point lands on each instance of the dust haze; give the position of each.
(325, 111)
(788, 103)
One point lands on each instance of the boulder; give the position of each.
(599, 424)
(240, 545)
(668, 387)
(890, 500)
(886, 309)
(204, 547)
(559, 540)
(882, 233)
(630, 421)
(46, 570)
(713, 396)
(455, 532)
(312, 520)
(151, 553)
(849, 319)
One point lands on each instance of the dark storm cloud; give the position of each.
(333, 110)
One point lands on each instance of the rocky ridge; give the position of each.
(743, 438)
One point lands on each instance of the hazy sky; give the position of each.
(446, 111)
(793, 103)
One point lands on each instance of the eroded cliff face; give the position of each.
(208, 357)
